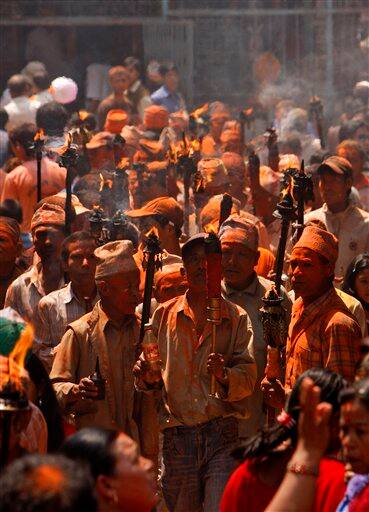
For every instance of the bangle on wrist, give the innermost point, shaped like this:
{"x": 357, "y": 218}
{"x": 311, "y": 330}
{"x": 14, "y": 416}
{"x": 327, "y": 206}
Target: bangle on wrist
{"x": 303, "y": 469}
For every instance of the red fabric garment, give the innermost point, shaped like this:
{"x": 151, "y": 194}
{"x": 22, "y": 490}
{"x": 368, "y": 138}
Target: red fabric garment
{"x": 361, "y": 502}
{"x": 245, "y": 491}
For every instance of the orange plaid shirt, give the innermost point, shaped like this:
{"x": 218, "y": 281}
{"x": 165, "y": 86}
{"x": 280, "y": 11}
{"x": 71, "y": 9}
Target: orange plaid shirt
{"x": 323, "y": 334}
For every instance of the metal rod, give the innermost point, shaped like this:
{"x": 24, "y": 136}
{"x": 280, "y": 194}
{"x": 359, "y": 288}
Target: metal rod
{"x": 39, "y": 175}
{"x": 5, "y": 440}
{"x": 213, "y": 386}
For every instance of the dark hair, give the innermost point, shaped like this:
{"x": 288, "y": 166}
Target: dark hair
{"x": 46, "y": 402}
{"x": 89, "y": 122}
{"x": 167, "y": 67}
{"x": 164, "y": 221}
{"x": 358, "y": 391}
{"x": 52, "y": 118}
{"x": 94, "y": 447}
{"x": 293, "y": 143}
{"x": 11, "y": 208}
{"x": 77, "y": 236}
{"x": 330, "y": 383}
{"x": 353, "y": 125}
{"x": 24, "y": 135}
{"x": 128, "y": 231}
{"x": 188, "y": 247}
{"x": 359, "y": 263}
{"x": 4, "y": 118}
{"x": 41, "y": 80}
{"x": 132, "y": 62}
{"x": 18, "y": 84}
{"x": 32, "y": 484}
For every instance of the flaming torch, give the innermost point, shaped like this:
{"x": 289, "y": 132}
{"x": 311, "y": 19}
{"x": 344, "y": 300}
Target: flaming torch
{"x": 213, "y": 253}
{"x": 13, "y": 399}
{"x": 302, "y": 191}
{"x": 151, "y": 263}
{"x": 38, "y": 146}
{"x": 68, "y": 158}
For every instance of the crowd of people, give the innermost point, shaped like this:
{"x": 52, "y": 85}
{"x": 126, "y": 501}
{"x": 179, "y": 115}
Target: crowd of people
{"x": 123, "y": 385}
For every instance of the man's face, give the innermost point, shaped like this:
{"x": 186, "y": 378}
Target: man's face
{"x": 81, "y": 262}
{"x": 119, "y": 83}
{"x": 216, "y": 126}
{"x": 238, "y": 262}
{"x": 134, "y": 477}
{"x": 354, "y": 433}
{"x": 334, "y": 188}
{"x": 121, "y": 291}
{"x": 133, "y": 74}
{"x": 354, "y": 158}
{"x": 171, "y": 80}
{"x": 308, "y": 273}
{"x": 195, "y": 268}
{"x": 47, "y": 241}
{"x": 362, "y": 136}
{"x": 236, "y": 179}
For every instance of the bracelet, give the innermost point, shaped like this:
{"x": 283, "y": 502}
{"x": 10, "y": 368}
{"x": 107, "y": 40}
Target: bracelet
{"x": 302, "y": 469}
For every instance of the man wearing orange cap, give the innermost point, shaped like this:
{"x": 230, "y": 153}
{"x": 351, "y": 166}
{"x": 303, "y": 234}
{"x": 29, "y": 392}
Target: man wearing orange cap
{"x": 166, "y": 215}
{"x": 347, "y": 222}
{"x": 211, "y": 145}
{"x": 25, "y": 292}
{"x": 147, "y": 182}
{"x": 10, "y": 249}
{"x": 119, "y": 82}
{"x": 241, "y": 285}
{"x": 322, "y": 333}
{"x": 155, "y": 119}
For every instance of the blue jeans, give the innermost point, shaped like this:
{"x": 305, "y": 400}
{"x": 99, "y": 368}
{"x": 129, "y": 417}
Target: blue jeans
{"x": 197, "y": 464}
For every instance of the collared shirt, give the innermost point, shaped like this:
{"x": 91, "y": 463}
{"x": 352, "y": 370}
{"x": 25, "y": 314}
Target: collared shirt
{"x": 95, "y": 336}
{"x": 21, "y": 184}
{"x": 25, "y": 293}
{"x": 56, "y": 311}
{"x": 172, "y": 101}
{"x": 139, "y": 96}
{"x": 323, "y": 334}
{"x": 20, "y": 110}
{"x": 249, "y": 299}
{"x": 351, "y": 227}
{"x": 186, "y": 389}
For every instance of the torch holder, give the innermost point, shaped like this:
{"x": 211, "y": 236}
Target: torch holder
{"x": 214, "y": 311}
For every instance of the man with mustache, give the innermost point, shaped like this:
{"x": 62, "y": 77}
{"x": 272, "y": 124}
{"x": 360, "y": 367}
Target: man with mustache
{"x": 199, "y": 431}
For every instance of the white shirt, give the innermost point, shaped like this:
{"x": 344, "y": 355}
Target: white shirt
{"x": 41, "y": 98}
{"x": 20, "y": 110}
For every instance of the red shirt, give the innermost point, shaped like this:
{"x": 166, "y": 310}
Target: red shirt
{"x": 245, "y": 491}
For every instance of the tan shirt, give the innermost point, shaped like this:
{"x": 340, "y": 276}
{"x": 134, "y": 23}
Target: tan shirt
{"x": 351, "y": 227}
{"x": 186, "y": 389}
{"x": 92, "y": 336}
{"x": 55, "y": 311}
{"x": 25, "y": 293}
{"x": 249, "y": 299}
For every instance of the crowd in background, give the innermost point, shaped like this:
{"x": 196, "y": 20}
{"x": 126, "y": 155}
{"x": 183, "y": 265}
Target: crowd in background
{"x": 160, "y": 438}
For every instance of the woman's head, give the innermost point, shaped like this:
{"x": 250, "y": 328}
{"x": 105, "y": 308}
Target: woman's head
{"x": 124, "y": 480}
{"x": 354, "y": 425}
{"x": 356, "y": 281}
{"x": 330, "y": 384}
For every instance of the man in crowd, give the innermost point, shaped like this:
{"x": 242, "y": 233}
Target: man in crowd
{"x": 119, "y": 81}
{"x": 322, "y": 331}
{"x": 108, "y": 334}
{"x": 46, "y": 275}
{"x": 137, "y": 94}
{"x": 198, "y": 430}
{"x": 10, "y": 249}
{"x": 168, "y": 95}
{"x": 21, "y": 183}
{"x": 60, "y": 308}
{"x": 20, "y": 109}
{"x": 347, "y": 222}
{"x": 355, "y": 154}
{"x": 241, "y": 285}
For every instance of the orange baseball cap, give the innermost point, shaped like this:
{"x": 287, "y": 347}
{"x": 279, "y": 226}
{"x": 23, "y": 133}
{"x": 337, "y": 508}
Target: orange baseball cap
{"x": 165, "y": 206}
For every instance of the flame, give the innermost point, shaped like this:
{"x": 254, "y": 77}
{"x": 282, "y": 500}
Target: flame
{"x": 105, "y": 183}
{"x": 288, "y": 190}
{"x": 152, "y": 231}
{"x": 124, "y": 163}
{"x": 83, "y": 114}
{"x": 211, "y": 228}
{"x": 39, "y": 135}
{"x": 200, "y": 111}
{"x": 16, "y": 360}
{"x": 248, "y": 111}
